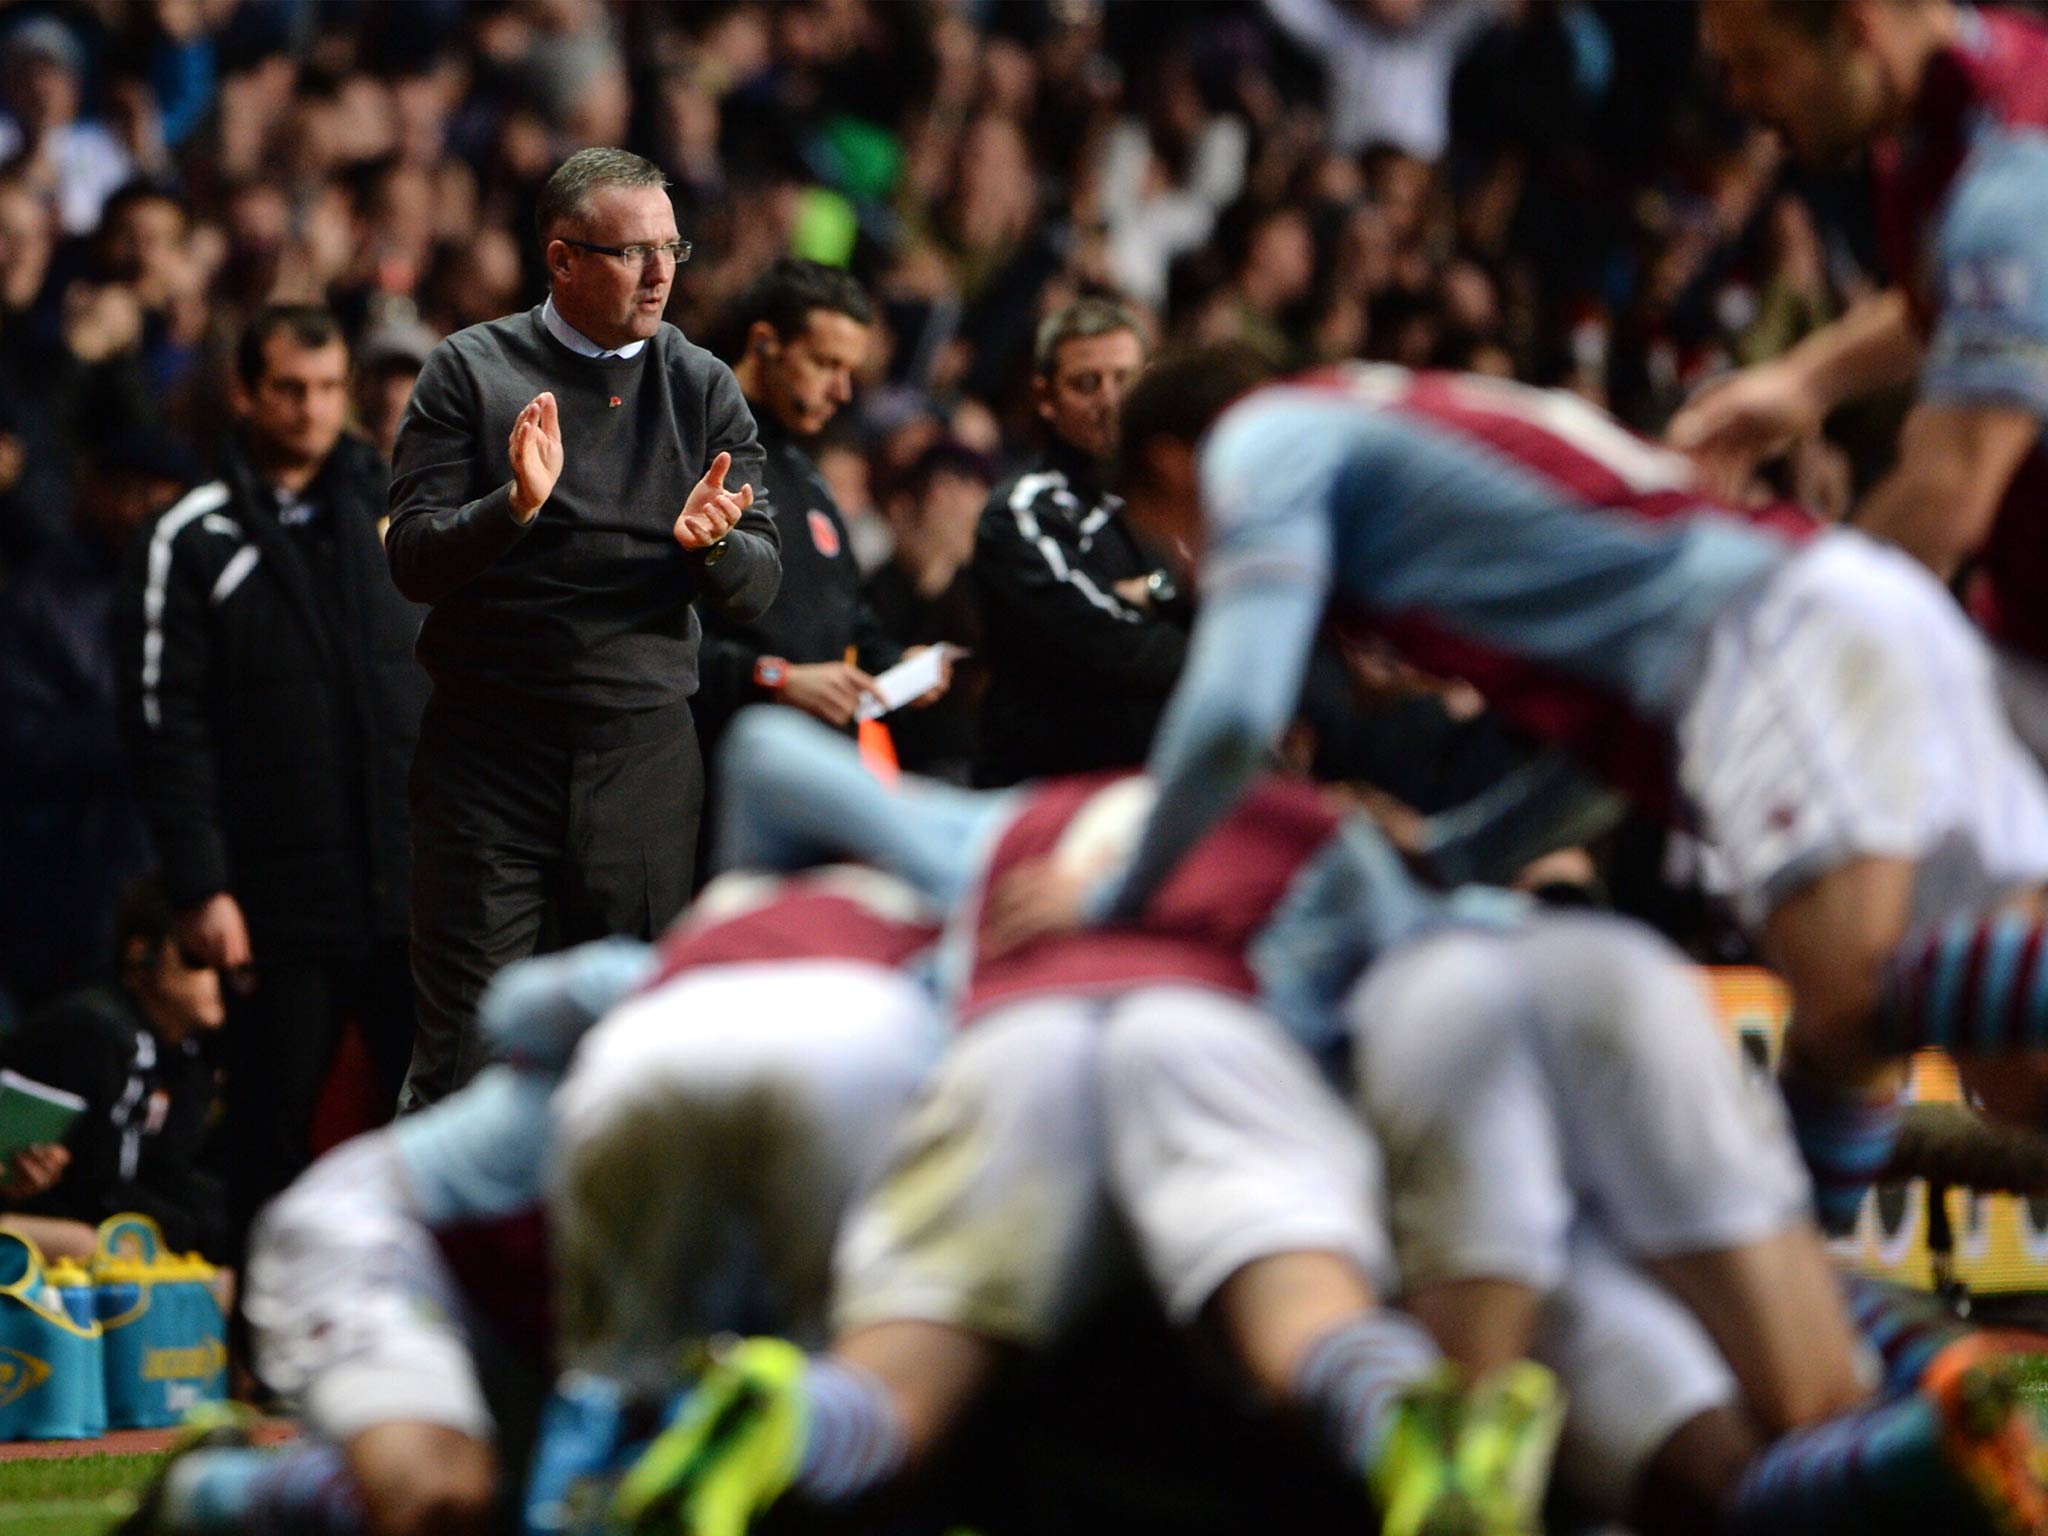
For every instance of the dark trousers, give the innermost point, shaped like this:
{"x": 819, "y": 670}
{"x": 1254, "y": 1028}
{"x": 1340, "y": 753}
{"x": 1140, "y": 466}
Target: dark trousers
{"x": 281, "y": 1039}
{"x": 522, "y": 844}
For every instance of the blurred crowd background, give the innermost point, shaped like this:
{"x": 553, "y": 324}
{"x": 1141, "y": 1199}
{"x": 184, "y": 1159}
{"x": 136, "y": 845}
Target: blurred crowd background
{"x": 1542, "y": 189}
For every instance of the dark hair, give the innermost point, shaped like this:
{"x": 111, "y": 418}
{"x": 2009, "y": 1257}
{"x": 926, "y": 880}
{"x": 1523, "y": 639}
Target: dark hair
{"x": 308, "y": 325}
{"x": 563, "y": 199}
{"x": 1180, "y": 395}
{"x": 134, "y": 193}
{"x": 1076, "y": 322}
{"x": 1815, "y": 18}
{"x": 143, "y": 913}
{"x": 790, "y": 288}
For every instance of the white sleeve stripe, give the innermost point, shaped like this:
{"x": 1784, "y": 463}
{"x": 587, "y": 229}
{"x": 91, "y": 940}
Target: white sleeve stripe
{"x": 1028, "y": 488}
{"x": 196, "y": 503}
{"x": 233, "y": 573}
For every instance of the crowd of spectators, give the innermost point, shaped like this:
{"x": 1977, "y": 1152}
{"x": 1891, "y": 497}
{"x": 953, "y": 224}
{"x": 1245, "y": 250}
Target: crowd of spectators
{"x": 1541, "y": 189}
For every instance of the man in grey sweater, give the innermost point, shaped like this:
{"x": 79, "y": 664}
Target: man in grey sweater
{"x": 557, "y": 787}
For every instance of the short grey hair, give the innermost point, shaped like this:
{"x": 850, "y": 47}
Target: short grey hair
{"x": 1075, "y": 322}
{"x": 567, "y": 194}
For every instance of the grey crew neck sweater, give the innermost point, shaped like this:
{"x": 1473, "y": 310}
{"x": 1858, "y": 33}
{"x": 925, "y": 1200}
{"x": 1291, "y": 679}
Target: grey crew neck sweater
{"x": 586, "y": 613}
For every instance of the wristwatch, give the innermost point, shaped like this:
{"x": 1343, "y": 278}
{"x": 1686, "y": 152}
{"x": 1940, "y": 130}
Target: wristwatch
{"x": 770, "y": 673}
{"x": 713, "y": 553}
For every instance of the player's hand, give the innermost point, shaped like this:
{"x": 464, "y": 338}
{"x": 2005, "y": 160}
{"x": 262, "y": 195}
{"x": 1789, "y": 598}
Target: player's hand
{"x": 1036, "y": 900}
{"x": 828, "y": 690}
{"x": 711, "y": 510}
{"x": 34, "y": 1170}
{"x": 1742, "y": 420}
{"x": 214, "y": 933}
{"x": 535, "y": 449}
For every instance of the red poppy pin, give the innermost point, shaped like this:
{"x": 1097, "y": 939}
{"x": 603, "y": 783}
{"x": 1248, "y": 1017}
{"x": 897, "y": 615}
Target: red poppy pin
{"x": 823, "y": 534}
{"x": 617, "y": 402}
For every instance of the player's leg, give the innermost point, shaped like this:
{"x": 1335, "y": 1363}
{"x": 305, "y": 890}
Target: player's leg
{"x": 978, "y": 1238}
{"x": 989, "y": 1230}
{"x": 1831, "y": 943}
{"x": 1253, "y": 1195}
{"x": 709, "y": 1139}
{"x": 1850, "y": 761}
{"x": 1657, "y": 1434}
{"x": 400, "y": 1441}
{"x": 1683, "y": 1160}
{"x": 1478, "y": 1200}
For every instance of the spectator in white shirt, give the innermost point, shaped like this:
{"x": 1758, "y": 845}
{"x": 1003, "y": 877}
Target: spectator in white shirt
{"x": 76, "y": 164}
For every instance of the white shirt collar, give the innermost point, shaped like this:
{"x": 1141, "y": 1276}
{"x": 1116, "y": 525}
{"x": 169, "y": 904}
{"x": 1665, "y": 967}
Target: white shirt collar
{"x": 576, "y": 341}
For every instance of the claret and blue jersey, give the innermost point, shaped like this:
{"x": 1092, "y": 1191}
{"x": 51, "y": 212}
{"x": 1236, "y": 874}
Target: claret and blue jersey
{"x": 1962, "y": 203}
{"x": 1511, "y": 536}
{"x": 1484, "y": 526}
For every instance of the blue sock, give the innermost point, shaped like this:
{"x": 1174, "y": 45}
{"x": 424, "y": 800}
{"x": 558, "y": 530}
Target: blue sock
{"x": 1878, "y": 1469}
{"x": 1906, "y": 1328}
{"x": 305, "y": 1490}
{"x": 855, "y": 1440}
{"x": 1971, "y": 984}
{"x": 1350, "y": 1378}
{"x": 1846, "y": 1139}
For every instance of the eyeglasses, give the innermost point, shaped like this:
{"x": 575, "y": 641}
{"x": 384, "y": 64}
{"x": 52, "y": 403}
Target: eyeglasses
{"x": 676, "y": 251}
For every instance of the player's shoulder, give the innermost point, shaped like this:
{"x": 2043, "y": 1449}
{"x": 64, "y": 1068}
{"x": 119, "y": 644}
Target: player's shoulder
{"x": 1299, "y": 430}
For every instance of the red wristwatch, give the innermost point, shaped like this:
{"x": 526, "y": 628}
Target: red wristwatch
{"x": 770, "y": 673}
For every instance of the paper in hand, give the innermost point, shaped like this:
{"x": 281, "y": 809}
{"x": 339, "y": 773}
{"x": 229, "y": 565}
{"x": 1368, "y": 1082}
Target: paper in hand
{"x": 909, "y": 679}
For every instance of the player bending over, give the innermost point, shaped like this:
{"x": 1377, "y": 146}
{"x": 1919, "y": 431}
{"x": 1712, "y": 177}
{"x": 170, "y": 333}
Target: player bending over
{"x": 1811, "y": 698}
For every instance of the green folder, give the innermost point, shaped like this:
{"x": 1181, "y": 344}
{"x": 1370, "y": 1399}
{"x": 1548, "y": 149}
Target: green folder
{"x": 32, "y": 1113}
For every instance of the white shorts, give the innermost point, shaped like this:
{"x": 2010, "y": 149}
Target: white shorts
{"x": 2023, "y": 686}
{"x": 709, "y": 1139}
{"x": 1635, "y": 1365}
{"x": 353, "y": 1312}
{"x": 1571, "y": 1068}
{"x": 1226, "y": 1146}
{"x": 991, "y": 1214}
{"x": 1850, "y": 711}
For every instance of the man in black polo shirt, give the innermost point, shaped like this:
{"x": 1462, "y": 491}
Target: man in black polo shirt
{"x": 569, "y": 485}
{"x": 1080, "y": 633}
{"x": 807, "y": 328}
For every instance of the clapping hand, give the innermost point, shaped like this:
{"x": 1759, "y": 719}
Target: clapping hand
{"x": 535, "y": 449}
{"x": 712, "y": 510}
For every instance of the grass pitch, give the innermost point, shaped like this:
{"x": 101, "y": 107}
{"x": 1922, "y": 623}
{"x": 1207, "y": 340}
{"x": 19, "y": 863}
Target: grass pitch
{"x": 87, "y": 1495}
{"x": 70, "y": 1496}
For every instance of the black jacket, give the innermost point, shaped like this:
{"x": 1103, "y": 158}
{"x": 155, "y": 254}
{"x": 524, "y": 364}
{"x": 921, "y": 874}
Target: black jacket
{"x": 1077, "y": 676}
{"x": 819, "y": 610}
{"x": 271, "y": 701}
{"x": 136, "y": 1146}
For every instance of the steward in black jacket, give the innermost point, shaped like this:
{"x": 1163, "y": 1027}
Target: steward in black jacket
{"x": 819, "y": 612}
{"x": 1078, "y": 672}
{"x": 272, "y": 703}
